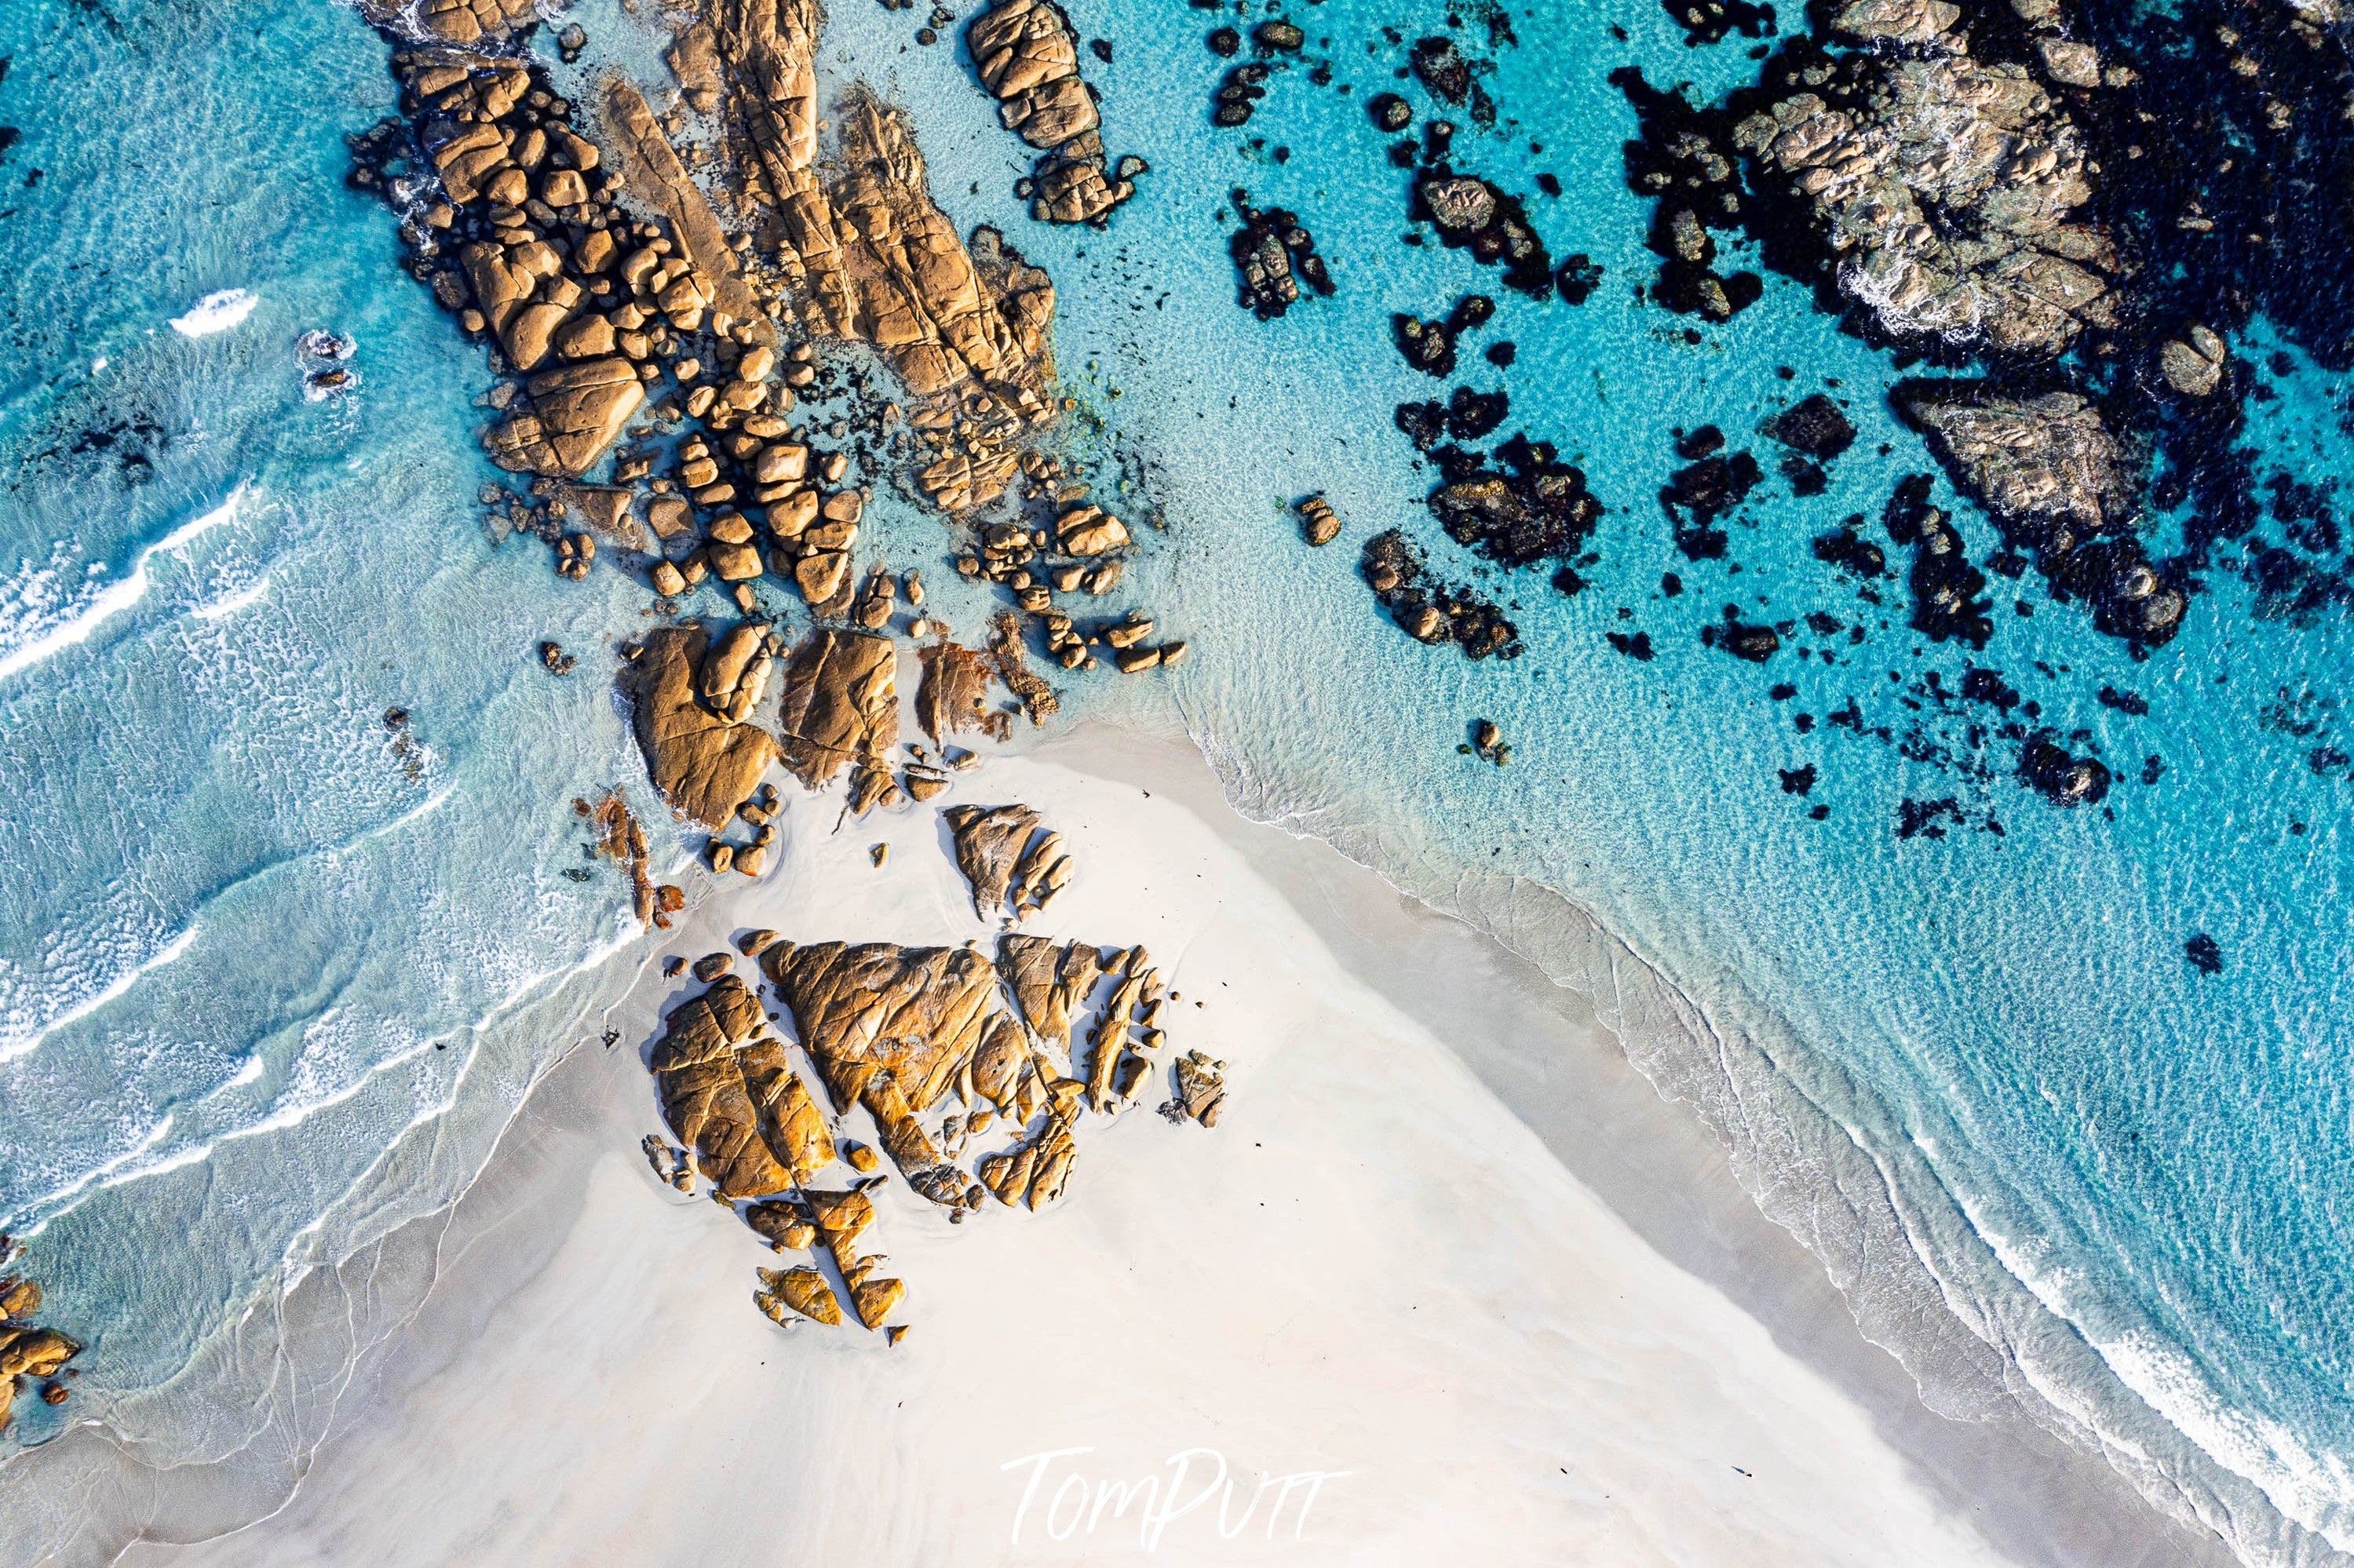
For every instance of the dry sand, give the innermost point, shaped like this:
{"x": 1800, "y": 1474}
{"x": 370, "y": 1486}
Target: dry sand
{"x": 1548, "y": 1330}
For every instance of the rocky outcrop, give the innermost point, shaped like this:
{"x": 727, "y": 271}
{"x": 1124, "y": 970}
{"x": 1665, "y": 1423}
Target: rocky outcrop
{"x": 2054, "y": 478}
{"x": 1027, "y": 55}
{"x": 914, "y": 1015}
{"x": 1008, "y": 861}
{"x": 2043, "y": 462}
{"x": 953, "y": 694}
{"x": 658, "y": 181}
{"x": 705, "y": 763}
{"x": 1120, "y": 1046}
{"x": 802, "y": 1290}
{"x": 2193, "y": 363}
{"x": 989, "y": 839}
{"x": 1950, "y": 190}
{"x": 1038, "y": 699}
{"x": 698, "y": 1067}
{"x": 576, "y": 412}
{"x": 1425, "y": 607}
{"x": 896, "y": 1031}
{"x": 1272, "y": 252}
{"x": 868, "y": 254}
{"x": 919, "y": 296}
{"x": 1201, "y": 1085}
{"x": 1035, "y": 1170}
{"x": 526, "y": 245}
{"x": 1948, "y": 591}
{"x": 840, "y": 704}
{"x": 893, "y": 1030}
{"x": 452, "y": 21}
{"x": 1050, "y": 984}
{"x": 28, "y": 1353}
{"x": 1531, "y": 507}
{"x": 620, "y": 839}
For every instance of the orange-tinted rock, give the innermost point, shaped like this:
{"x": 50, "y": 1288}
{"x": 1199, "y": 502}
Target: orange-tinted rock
{"x": 704, "y": 1099}
{"x": 703, "y": 765}
{"x": 840, "y": 704}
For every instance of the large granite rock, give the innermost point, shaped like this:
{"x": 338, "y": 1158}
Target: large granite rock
{"x": 1049, "y": 984}
{"x": 868, "y": 254}
{"x": 659, "y": 182}
{"x": 919, "y": 297}
{"x": 28, "y": 1351}
{"x": 703, "y": 763}
{"x": 1949, "y": 188}
{"x": 1027, "y": 55}
{"x": 915, "y": 1014}
{"x": 892, "y": 1029}
{"x": 2055, "y": 481}
{"x": 802, "y": 1290}
{"x": 990, "y": 842}
{"x": 953, "y": 694}
{"x": 453, "y": 21}
{"x": 2045, "y": 460}
{"x": 699, "y": 1077}
{"x": 840, "y": 704}
{"x": 575, "y": 414}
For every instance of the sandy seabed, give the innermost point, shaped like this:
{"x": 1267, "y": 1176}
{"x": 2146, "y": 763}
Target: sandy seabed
{"x": 1448, "y": 1282}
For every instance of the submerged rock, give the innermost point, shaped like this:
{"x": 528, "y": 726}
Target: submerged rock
{"x": 1427, "y": 610}
{"x": 1272, "y": 252}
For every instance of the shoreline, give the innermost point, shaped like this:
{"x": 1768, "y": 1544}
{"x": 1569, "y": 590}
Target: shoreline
{"x": 1583, "y": 1117}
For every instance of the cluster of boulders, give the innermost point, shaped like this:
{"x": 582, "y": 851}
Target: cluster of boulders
{"x": 897, "y": 1033}
{"x": 1010, "y": 860}
{"x": 30, "y": 1355}
{"x": 2054, "y": 479}
{"x": 455, "y": 21}
{"x": 621, "y": 839}
{"x": 1685, "y": 162}
{"x": 2052, "y": 771}
{"x": 1238, "y": 96}
{"x": 1473, "y": 215}
{"x": 1426, "y": 609}
{"x": 1947, "y": 591}
{"x": 1028, "y": 54}
{"x": 1712, "y": 482}
{"x": 1272, "y": 252}
{"x": 1451, "y": 77}
{"x": 1319, "y": 523}
{"x": 537, "y": 237}
{"x": 1529, "y": 507}
{"x": 1949, "y": 189}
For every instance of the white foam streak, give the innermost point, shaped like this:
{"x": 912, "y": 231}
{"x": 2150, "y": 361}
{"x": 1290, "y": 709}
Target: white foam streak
{"x": 216, "y": 313}
{"x": 17, "y": 1045}
{"x": 116, "y": 597}
{"x": 233, "y": 602}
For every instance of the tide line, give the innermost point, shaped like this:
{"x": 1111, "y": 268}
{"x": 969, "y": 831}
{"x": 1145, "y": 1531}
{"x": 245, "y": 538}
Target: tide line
{"x": 117, "y": 597}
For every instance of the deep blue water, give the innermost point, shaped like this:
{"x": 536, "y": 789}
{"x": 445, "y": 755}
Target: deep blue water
{"x": 1974, "y": 1068}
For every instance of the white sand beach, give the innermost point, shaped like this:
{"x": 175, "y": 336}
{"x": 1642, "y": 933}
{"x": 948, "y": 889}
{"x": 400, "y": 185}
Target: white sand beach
{"x": 1559, "y": 1336}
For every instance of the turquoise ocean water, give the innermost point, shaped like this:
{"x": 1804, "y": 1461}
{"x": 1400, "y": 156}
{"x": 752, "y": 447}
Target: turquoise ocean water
{"x": 271, "y": 977}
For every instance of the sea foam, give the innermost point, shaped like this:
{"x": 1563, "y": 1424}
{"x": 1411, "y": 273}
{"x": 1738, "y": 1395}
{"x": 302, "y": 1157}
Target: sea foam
{"x": 216, "y": 313}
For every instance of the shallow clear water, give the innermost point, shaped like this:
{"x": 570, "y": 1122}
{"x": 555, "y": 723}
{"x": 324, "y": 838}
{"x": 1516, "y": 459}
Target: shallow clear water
{"x": 249, "y": 940}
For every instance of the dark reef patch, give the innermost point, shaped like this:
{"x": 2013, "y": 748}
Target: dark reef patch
{"x": 1429, "y": 610}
